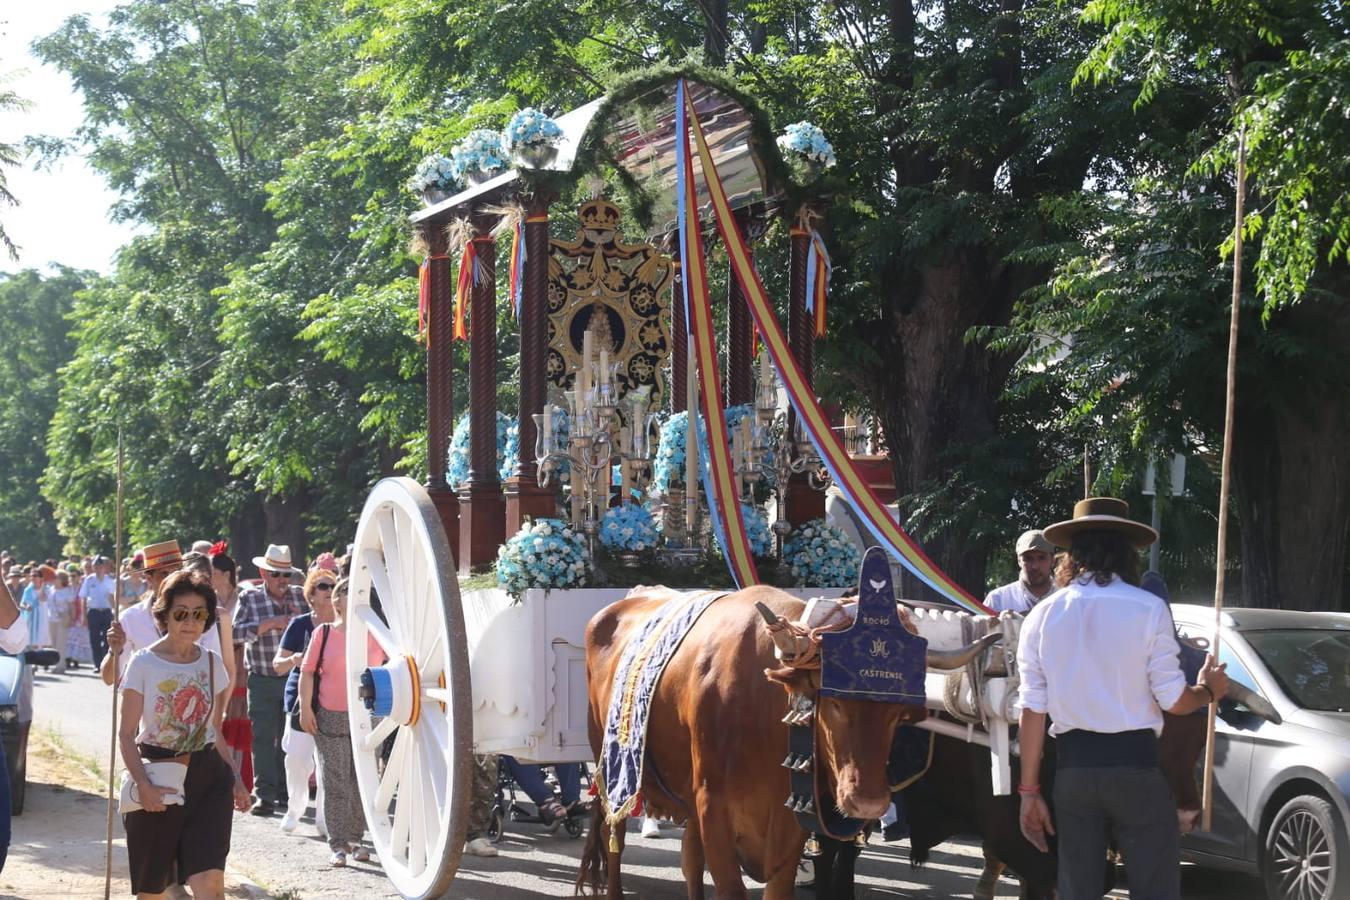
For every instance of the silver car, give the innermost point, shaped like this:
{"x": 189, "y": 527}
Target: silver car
{"x": 1281, "y": 791}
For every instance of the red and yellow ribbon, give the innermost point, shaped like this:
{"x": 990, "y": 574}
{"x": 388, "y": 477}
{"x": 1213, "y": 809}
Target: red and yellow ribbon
{"x": 855, "y": 488}
{"x": 719, "y": 476}
{"x": 424, "y": 296}
{"x": 470, "y": 274}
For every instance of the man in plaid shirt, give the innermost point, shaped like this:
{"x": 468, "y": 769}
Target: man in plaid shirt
{"x": 262, "y": 617}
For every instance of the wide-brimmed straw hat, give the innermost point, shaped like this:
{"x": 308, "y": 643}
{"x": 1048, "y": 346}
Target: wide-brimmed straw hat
{"x": 164, "y": 555}
{"x": 1101, "y": 514}
{"x": 277, "y": 559}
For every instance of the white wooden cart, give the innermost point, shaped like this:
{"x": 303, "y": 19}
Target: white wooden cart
{"x": 467, "y": 672}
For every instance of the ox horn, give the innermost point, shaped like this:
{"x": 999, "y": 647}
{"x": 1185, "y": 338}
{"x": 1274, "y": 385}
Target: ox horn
{"x": 946, "y": 660}
{"x": 787, "y": 647}
{"x": 1254, "y": 701}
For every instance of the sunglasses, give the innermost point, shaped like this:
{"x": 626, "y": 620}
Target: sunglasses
{"x": 270, "y": 574}
{"x": 324, "y": 586}
{"x": 197, "y": 615}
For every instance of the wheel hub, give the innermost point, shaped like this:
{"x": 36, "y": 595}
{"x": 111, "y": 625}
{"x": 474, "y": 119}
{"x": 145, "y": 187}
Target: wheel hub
{"x": 393, "y": 690}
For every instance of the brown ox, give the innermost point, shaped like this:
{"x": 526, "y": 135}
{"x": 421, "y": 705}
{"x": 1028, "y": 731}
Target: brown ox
{"x": 716, "y": 742}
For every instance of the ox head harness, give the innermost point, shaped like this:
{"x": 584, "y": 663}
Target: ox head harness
{"x": 876, "y": 659}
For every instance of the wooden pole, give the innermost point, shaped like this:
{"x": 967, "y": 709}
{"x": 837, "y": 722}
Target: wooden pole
{"x": 1225, "y": 470}
{"x": 117, "y": 675}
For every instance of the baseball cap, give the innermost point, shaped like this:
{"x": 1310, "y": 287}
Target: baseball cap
{"x": 1034, "y": 540}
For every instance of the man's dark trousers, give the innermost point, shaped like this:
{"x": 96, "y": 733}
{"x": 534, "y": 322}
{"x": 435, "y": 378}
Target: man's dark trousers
{"x": 1137, "y": 807}
{"x": 98, "y": 621}
{"x": 265, "y": 696}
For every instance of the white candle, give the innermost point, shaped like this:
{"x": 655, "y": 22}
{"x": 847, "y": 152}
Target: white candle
{"x": 548, "y": 427}
{"x": 765, "y": 371}
{"x": 746, "y": 441}
{"x": 604, "y": 365}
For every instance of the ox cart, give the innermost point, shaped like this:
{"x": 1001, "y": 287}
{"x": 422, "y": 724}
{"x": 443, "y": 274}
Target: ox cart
{"x": 476, "y": 671}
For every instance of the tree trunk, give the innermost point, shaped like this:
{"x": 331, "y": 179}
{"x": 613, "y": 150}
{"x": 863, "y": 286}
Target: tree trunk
{"x": 1291, "y": 480}
{"x": 938, "y": 393}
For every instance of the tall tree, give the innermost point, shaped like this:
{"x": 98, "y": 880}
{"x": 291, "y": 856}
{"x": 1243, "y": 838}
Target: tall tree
{"x": 34, "y": 308}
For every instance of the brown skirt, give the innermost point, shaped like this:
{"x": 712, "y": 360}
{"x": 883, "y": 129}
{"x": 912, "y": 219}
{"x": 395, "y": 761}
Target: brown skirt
{"x": 187, "y": 838}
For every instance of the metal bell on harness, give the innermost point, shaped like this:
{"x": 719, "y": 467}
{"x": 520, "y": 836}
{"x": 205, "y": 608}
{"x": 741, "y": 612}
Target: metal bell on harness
{"x": 790, "y": 761}
{"x": 792, "y": 802}
{"x": 803, "y": 764}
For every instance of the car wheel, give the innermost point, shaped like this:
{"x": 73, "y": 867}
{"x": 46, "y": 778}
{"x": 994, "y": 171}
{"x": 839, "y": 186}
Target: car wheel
{"x": 1305, "y": 853}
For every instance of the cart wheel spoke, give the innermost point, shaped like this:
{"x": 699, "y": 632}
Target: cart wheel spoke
{"x": 379, "y": 578}
{"x": 392, "y": 772}
{"x": 431, "y": 662}
{"x": 417, "y": 821}
{"x": 378, "y": 734}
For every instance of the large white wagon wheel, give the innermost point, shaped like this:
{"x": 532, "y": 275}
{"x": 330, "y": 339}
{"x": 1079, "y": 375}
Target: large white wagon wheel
{"x": 416, "y": 806}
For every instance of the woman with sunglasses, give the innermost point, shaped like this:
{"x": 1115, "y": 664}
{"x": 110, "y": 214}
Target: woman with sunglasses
{"x": 323, "y": 713}
{"x": 298, "y": 744}
{"x": 173, "y": 698}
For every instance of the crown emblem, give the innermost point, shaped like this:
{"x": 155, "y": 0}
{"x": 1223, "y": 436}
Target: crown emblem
{"x": 600, "y": 215}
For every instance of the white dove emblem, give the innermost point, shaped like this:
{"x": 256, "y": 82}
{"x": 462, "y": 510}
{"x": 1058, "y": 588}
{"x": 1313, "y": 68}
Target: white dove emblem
{"x": 876, "y": 585}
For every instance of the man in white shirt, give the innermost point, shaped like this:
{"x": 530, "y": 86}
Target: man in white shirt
{"x": 1099, "y": 656}
{"x": 1035, "y": 560}
{"x": 97, "y": 593}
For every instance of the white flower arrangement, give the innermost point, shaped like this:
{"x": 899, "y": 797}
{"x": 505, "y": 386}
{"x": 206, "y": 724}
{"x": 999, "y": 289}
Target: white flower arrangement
{"x": 434, "y": 173}
{"x": 481, "y": 153}
{"x": 820, "y": 555}
{"x": 629, "y": 527}
{"x": 530, "y": 128}
{"x": 544, "y": 554}
{"x": 808, "y": 141}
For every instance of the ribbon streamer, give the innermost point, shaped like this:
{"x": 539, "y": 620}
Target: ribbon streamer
{"x": 818, "y": 272}
{"x": 517, "y": 281}
{"x": 470, "y": 274}
{"x": 424, "y": 296}
{"x": 717, "y": 471}
{"x": 857, "y": 491}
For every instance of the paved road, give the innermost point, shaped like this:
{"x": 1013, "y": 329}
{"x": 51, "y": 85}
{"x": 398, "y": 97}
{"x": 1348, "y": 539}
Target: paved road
{"x": 533, "y": 864}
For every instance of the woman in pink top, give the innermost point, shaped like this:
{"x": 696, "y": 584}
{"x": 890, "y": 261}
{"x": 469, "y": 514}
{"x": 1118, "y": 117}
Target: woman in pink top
{"x": 324, "y": 715}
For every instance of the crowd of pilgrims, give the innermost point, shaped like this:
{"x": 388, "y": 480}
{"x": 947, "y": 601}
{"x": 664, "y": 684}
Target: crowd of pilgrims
{"x": 242, "y": 684}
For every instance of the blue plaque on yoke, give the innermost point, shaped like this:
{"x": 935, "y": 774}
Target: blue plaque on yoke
{"x": 876, "y": 659}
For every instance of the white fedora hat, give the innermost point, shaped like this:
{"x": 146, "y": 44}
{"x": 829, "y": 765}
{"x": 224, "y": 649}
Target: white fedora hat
{"x": 277, "y": 559}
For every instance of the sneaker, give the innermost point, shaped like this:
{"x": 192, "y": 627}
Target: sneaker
{"x": 338, "y": 860}
{"x": 650, "y": 827}
{"x": 361, "y": 854}
{"x": 480, "y": 847}
{"x": 289, "y": 823}
{"x": 263, "y": 807}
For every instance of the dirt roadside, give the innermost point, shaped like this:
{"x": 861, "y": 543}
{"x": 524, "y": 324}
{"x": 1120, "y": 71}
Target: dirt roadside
{"x": 58, "y": 846}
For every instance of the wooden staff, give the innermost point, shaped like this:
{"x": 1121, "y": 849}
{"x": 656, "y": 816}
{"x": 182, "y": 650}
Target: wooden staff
{"x": 1207, "y": 797}
{"x": 117, "y": 676}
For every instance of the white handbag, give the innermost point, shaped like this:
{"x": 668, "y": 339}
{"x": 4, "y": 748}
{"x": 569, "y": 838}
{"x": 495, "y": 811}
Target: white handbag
{"x": 165, "y": 773}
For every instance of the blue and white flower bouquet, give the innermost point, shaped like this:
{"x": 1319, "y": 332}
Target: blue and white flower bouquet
{"x": 809, "y": 142}
{"x": 479, "y": 155}
{"x": 434, "y": 178}
{"x": 531, "y": 128}
{"x": 820, "y": 555}
{"x": 544, "y": 554}
{"x": 629, "y": 527}
{"x": 756, "y": 529}
{"x": 457, "y": 466}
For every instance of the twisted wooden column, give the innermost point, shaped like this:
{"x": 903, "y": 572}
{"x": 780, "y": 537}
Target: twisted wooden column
{"x": 524, "y": 498}
{"x": 440, "y": 376}
{"x": 679, "y": 337}
{"x": 482, "y": 513}
{"x": 740, "y": 339}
